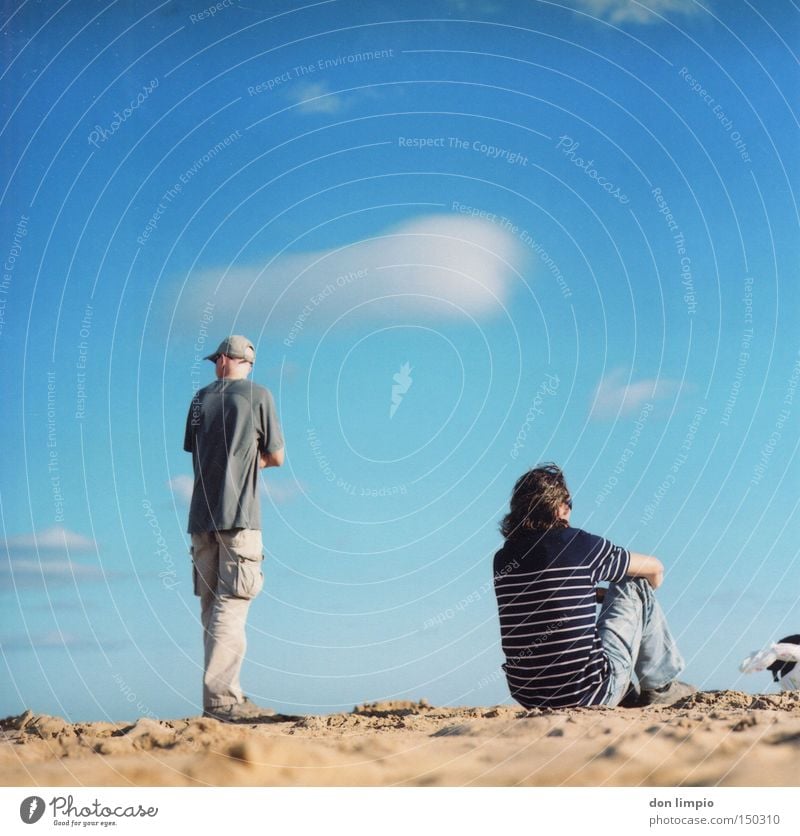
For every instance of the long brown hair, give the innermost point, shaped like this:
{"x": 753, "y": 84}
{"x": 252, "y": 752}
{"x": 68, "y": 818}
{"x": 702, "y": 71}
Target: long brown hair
{"x": 536, "y": 501}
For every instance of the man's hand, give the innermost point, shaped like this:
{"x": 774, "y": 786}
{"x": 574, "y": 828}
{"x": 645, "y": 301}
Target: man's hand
{"x": 271, "y": 459}
{"x": 647, "y": 567}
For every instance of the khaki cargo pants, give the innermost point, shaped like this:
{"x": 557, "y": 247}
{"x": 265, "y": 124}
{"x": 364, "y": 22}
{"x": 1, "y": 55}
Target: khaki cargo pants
{"x": 227, "y": 576}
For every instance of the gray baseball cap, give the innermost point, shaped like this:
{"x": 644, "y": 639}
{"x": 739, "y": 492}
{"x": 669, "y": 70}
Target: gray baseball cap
{"x": 235, "y": 346}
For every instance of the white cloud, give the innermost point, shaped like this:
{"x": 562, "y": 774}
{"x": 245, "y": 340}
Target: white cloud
{"x": 636, "y": 11}
{"x": 281, "y": 491}
{"x": 314, "y": 97}
{"x": 182, "y": 487}
{"x": 55, "y": 639}
{"x": 437, "y": 265}
{"x": 617, "y": 396}
{"x": 51, "y": 539}
{"x": 31, "y": 557}
{"x": 54, "y": 568}
{"x": 475, "y": 6}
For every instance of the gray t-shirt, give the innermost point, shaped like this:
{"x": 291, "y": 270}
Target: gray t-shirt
{"x": 230, "y": 423}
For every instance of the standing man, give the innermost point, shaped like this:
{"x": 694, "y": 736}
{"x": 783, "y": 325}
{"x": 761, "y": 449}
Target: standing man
{"x": 558, "y": 652}
{"x": 232, "y": 431}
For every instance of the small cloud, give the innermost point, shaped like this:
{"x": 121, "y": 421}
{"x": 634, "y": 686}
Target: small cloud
{"x": 314, "y": 97}
{"x": 636, "y": 11}
{"x": 281, "y": 491}
{"x": 288, "y": 370}
{"x": 51, "y": 568}
{"x": 182, "y": 487}
{"x": 616, "y": 396}
{"x": 31, "y": 573}
{"x": 55, "y": 538}
{"x": 55, "y": 640}
{"x": 475, "y": 6}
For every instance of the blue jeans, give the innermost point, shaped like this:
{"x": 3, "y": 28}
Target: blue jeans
{"x": 636, "y": 639}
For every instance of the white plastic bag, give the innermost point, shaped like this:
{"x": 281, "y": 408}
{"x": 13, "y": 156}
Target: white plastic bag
{"x": 777, "y": 652}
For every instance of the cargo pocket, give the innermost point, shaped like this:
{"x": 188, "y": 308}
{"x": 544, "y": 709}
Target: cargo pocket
{"x": 249, "y": 577}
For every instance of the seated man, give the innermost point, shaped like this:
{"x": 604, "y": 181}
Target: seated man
{"x": 558, "y": 652}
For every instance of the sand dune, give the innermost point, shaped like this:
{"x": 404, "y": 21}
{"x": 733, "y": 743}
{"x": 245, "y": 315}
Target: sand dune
{"x": 725, "y": 738}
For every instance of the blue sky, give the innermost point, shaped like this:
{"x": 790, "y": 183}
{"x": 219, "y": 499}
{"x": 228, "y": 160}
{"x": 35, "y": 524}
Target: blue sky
{"x": 562, "y": 231}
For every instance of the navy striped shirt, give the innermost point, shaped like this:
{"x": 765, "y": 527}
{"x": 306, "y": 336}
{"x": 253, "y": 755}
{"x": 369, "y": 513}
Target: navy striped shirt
{"x": 545, "y": 585}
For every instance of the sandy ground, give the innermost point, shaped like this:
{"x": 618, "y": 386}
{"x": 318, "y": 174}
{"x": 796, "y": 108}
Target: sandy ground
{"x": 724, "y": 738}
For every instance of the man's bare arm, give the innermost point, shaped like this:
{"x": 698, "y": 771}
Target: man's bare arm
{"x": 271, "y": 459}
{"x": 647, "y": 567}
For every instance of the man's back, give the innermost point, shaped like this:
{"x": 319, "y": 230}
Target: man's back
{"x": 230, "y": 423}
